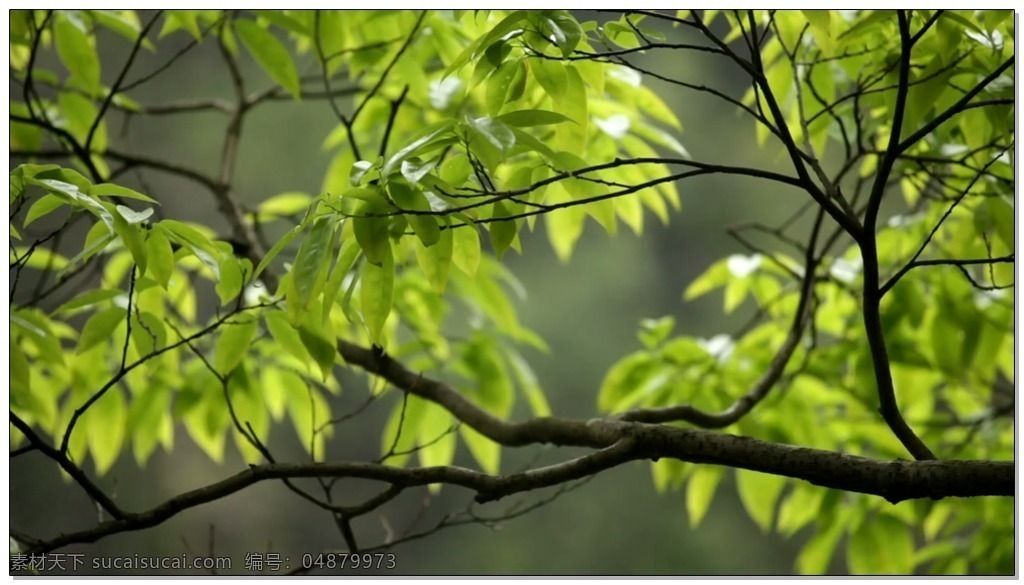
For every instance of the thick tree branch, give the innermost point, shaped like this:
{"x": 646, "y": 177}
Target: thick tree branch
{"x": 896, "y": 481}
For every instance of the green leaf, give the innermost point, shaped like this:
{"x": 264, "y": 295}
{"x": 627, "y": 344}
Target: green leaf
{"x": 40, "y": 258}
{"x": 270, "y": 54}
{"x": 700, "y": 491}
{"x": 759, "y": 492}
{"x": 99, "y": 328}
{"x": 412, "y": 199}
{"x": 504, "y": 86}
{"x": 342, "y": 266}
{"x": 312, "y": 262}
{"x": 437, "y": 435}
{"x": 112, "y": 190}
{"x": 507, "y": 25}
{"x": 233, "y": 343}
{"x": 527, "y": 382}
{"x": 285, "y": 204}
{"x": 867, "y": 555}
{"x": 106, "y": 426}
{"x": 415, "y": 169}
{"x": 436, "y": 260}
{"x": 160, "y": 256}
{"x": 502, "y": 232}
{"x": 88, "y": 299}
{"x": 816, "y": 555}
{"x": 123, "y": 22}
{"x": 426, "y": 135}
{"x": 622, "y": 378}
{"x": 564, "y": 226}
{"x": 132, "y": 238}
{"x": 402, "y": 429}
{"x": 486, "y": 452}
{"x": 43, "y": 207}
{"x": 528, "y": 118}
{"x": 494, "y": 391}
{"x": 322, "y": 350}
{"x": 359, "y": 170}
{"x": 819, "y": 19}
{"x": 232, "y": 278}
{"x": 148, "y": 334}
{"x": 493, "y": 132}
{"x": 78, "y": 198}
{"x": 654, "y": 332}
{"x": 148, "y": 414}
{"x": 372, "y": 233}
{"x": 376, "y": 293}
{"x": 77, "y": 52}
{"x": 276, "y": 249}
{"x": 285, "y": 335}
{"x": 466, "y": 248}
{"x": 800, "y": 508}
{"x": 566, "y": 31}
{"x": 133, "y": 217}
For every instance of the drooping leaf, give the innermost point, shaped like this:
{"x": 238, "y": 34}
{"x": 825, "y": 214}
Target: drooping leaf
{"x": 466, "y": 248}
{"x": 309, "y": 272}
{"x": 160, "y": 256}
{"x": 759, "y": 492}
{"x": 322, "y": 350}
{"x": 76, "y": 51}
{"x": 882, "y": 545}
{"x": 436, "y": 260}
{"x": 233, "y": 343}
{"x": 700, "y": 491}
{"x": 272, "y": 56}
{"x": 99, "y": 328}
{"x": 376, "y": 294}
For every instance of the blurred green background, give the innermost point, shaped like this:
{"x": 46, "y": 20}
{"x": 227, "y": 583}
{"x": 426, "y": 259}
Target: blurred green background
{"x": 587, "y": 310}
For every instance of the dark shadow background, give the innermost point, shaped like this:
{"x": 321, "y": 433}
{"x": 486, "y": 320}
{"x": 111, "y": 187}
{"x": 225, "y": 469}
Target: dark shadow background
{"x": 587, "y": 310}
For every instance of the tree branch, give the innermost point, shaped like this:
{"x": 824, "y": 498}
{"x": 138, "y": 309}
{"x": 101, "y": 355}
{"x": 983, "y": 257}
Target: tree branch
{"x": 896, "y": 481}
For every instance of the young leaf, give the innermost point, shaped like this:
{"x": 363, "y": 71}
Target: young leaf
{"x": 376, "y": 294}
{"x": 43, "y": 207}
{"x": 437, "y": 435}
{"x": 276, "y": 249}
{"x": 864, "y": 555}
{"x": 322, "y": 350}
{"x": 412, "y": 199}
{"x": 285, "y": 335}
{"x": 759, "y": 492}
{"x": 106, "y": 428}
{"x": 527, "y": 118}
{"x": 486, "y": 452}
{"x": 76, "y": 51}
{"x": 112, "y": 190}
{"x": 436, "y": 260}
{"x": 233, "y": 343}
{"x": 465, "y": 248}
{"x": 270, "y": 54}
{"x": 231, "y": 279}
{"x": 502, "y": 232}
{"x": 372, "y": 233}
{"x": 700, "y": 491}
{"x": 99, "y": 328}
{"x": 132, "y": 238}
{"x": 312, "y": 262}
{"x": 160, "y": 257}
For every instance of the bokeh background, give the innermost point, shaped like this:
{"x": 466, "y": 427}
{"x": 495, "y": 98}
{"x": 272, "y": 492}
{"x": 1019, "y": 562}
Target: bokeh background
{"x": 587, "y": 310}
